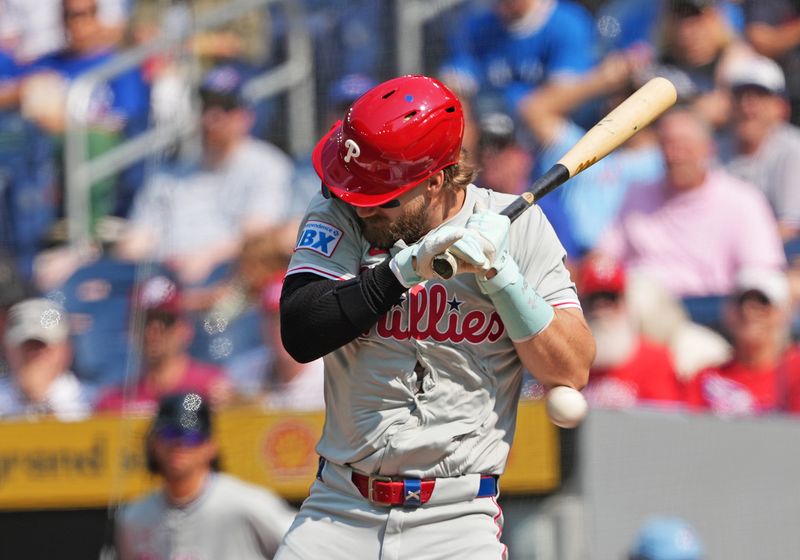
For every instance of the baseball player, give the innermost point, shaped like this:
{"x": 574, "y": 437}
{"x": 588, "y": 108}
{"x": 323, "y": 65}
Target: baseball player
{"x": 200, "y": 514}
{"x": 422, "y": 376}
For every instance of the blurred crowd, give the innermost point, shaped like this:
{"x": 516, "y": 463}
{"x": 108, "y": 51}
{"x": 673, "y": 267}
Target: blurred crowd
{"x": 683, "y": 243}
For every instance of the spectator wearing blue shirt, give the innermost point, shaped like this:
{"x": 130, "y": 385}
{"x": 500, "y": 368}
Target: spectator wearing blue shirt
{"x": 9, "y": 88}
{"x": 502, "y": 54}
{"x": 113, "y": 105}
{"x": 27, "y": 173}
{"x": 115, "y": 108}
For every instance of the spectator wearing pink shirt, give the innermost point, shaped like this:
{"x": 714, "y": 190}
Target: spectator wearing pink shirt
{"x": 695, "y": 229}
{"x": 166, "y": 366}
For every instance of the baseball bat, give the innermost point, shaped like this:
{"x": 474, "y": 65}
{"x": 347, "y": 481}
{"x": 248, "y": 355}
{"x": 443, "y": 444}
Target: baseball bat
{"x": 636, "y": 112}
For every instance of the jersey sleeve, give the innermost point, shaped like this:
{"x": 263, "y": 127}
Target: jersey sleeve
{"x": 329, "y": 243}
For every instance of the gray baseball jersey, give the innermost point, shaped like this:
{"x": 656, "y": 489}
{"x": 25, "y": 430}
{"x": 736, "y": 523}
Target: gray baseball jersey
{"x": 431, "y": 390}
{"x": 230, "y": 519}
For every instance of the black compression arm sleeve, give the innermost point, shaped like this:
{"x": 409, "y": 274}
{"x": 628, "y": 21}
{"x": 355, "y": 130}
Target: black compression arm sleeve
{"x": 320, "y": 315}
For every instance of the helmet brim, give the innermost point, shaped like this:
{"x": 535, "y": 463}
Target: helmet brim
{"x": 344, "y": 182}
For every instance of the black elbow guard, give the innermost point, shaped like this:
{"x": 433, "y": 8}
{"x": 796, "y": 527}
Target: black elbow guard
{"x": 354, "y": 305}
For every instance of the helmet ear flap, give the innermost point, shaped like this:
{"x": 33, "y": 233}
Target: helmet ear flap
{"x": 326, "y": 192}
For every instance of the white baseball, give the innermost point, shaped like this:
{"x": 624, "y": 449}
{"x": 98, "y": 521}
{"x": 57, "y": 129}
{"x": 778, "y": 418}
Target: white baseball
{"x": 566, "y": 406}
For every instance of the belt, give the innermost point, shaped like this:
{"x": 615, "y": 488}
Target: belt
{"x": 398, "y": 491}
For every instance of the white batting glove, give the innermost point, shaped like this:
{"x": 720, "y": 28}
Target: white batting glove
{"x": 486, "y": 240}
{"x": 411, "y": 265}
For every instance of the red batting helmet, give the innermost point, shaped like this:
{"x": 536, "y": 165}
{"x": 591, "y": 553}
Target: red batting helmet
{"x": 392, "y": 138}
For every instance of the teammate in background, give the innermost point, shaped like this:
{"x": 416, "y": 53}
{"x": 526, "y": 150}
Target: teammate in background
{"x": 666, "y": 538}
{"x": 767, "y": 147}
{"x": 764, "y": 365}
{"x": 194, "y": 217}
{"x": 39, "y": 353}
{"x": 628, "y": 370}
{"x": 166, "y": 366}
{"x": 422, "y": 376}
{"x": 692, "y": 231}
{"x": 500, "y": 54}
{"x": 200, "y": 512}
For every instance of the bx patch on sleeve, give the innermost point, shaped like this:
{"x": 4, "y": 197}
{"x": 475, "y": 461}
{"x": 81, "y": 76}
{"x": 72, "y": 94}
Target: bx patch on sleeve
{"x": 319, "y": 237}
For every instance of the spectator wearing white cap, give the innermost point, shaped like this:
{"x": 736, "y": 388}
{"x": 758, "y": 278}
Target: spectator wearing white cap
{"x": 764, "y": 363}
{"x": 39, "y": 353}
{"x": 767, "y": 146}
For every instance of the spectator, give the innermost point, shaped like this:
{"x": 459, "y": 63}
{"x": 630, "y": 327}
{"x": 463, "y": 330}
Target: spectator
{"x": 165, "y": 363}
{"x": 664, "y": 319}
{"x": 632, "y": 23}
{"x": 666, "y": 538}
{"x": 27, "y": 172}
{"x": 9, "y": 72}
{"x": 116, "y": 108}
{"x": 35, "y": 29}
{"x": 692, "y": 231}
{"x": 773, "y": 28}
{"x": 767, "y": 151}
{"x": 195, "y": 216}
{"x": 269, "y": 373}
{"x": 113, "y": 106}
{"x": 199, "y": 512}
{"x": 506, "y": 165}
{"x": 696, "y": 47}
{"x": 593, "y": 198}
{"x": 240, "y": 39}
{"x": 628, "y": 369}
{"x": 342, "y": 93}
{"x": 38, "y": 348}
{"x": 347, "y": 37}
{"x": 756, "y": 379}
{"x": 500, "y": 55}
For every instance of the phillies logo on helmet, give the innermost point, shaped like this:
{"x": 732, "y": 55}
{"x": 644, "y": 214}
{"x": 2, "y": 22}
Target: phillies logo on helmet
{"x": 353, "y": 151}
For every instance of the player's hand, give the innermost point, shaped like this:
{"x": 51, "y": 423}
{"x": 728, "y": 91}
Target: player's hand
{"x": 413, "y": 264}
{"x": 485, "y": 241}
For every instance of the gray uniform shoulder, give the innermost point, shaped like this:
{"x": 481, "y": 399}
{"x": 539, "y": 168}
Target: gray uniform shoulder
{"x": 252, "y": 500}
{"x": 144, "y": 511}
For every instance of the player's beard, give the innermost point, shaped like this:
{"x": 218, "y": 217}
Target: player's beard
{"x": 410, "y": 226}
{"x": 615, "y": 337}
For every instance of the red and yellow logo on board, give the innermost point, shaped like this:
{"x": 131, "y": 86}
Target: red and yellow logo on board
{"x": 289, "y": 448}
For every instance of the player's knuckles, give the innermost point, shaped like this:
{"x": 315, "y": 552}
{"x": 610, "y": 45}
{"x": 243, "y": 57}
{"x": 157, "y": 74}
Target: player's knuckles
{"x": 468, "y": 249}
{"x": 441, "y": 239}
